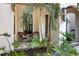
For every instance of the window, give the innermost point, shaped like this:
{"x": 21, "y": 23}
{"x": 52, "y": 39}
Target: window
{"x": 30, "y": 26}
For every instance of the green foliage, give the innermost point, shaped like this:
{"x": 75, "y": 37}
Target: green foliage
{"x": 37, "y": 43}
{"x": 65, "y": 49}
{"x": 50, "y": 50}
{"x": 6, "y": 34}
{"x": 69, "y": 36}
{"x": 13, "y": 6}
{"x": 53, "y": 9}
{"x": 19, "y": 54}
{"x": 2, "y": 48}
{"x": 15, "y": 53}
{"x": 45, "y": 51}
{"x": 16, "y": 43}
{"x": 26, "y": 16}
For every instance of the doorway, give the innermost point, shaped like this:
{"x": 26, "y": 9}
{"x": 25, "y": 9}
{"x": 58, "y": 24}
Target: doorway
{"x": 46, "y": 25}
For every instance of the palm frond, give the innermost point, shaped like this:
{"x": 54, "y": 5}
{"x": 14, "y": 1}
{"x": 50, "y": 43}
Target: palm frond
{"x": 54, "y": 11}
{"x": 25, "y": 17}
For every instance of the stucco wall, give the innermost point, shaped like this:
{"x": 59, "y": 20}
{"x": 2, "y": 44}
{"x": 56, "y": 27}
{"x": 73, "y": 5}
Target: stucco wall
{"x": 18, "y": 28}
{"x": 6, "y": 25}
{"x": 77, "y": 27}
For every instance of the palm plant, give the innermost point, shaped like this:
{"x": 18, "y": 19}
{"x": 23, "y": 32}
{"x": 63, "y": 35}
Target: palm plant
{"x": 53, "y": 9}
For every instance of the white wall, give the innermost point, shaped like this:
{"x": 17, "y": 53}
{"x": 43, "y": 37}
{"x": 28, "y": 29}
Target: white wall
{"x": 6, "y": 24}
{"x": 71, "y": 21}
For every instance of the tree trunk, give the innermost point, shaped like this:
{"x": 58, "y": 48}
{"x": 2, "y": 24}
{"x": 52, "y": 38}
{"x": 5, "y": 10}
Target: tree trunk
{"x": 40, "y": 29}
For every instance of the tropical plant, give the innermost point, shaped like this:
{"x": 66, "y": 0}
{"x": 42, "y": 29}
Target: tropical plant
{"x": 37, "y": 43}
{"x": 53, "y": 9}
{"x": 69, "y": 36}
{"x": 50, "y": 50}
{"x": 26, "y": 17}
{"x": 46, "y": 51}
{"x": 65, "y": 49}
{"x": 16, "y": 43}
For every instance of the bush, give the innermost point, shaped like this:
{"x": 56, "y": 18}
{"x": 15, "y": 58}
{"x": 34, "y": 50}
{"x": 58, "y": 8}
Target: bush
{"x": 65, "y": 49}
{"x": 37, "y": 43}
{"x": 68, "y": 36}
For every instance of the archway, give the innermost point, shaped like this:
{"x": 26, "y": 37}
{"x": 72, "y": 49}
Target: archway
{"x": 73, "y": 15}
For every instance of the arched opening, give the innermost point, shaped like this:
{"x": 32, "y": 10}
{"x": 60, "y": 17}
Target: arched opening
{"x": 73, "y": 21}
{"x": 70, "y": 22}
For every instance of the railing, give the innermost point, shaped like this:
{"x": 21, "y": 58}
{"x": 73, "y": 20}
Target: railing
{"x": 6, "y": 35}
